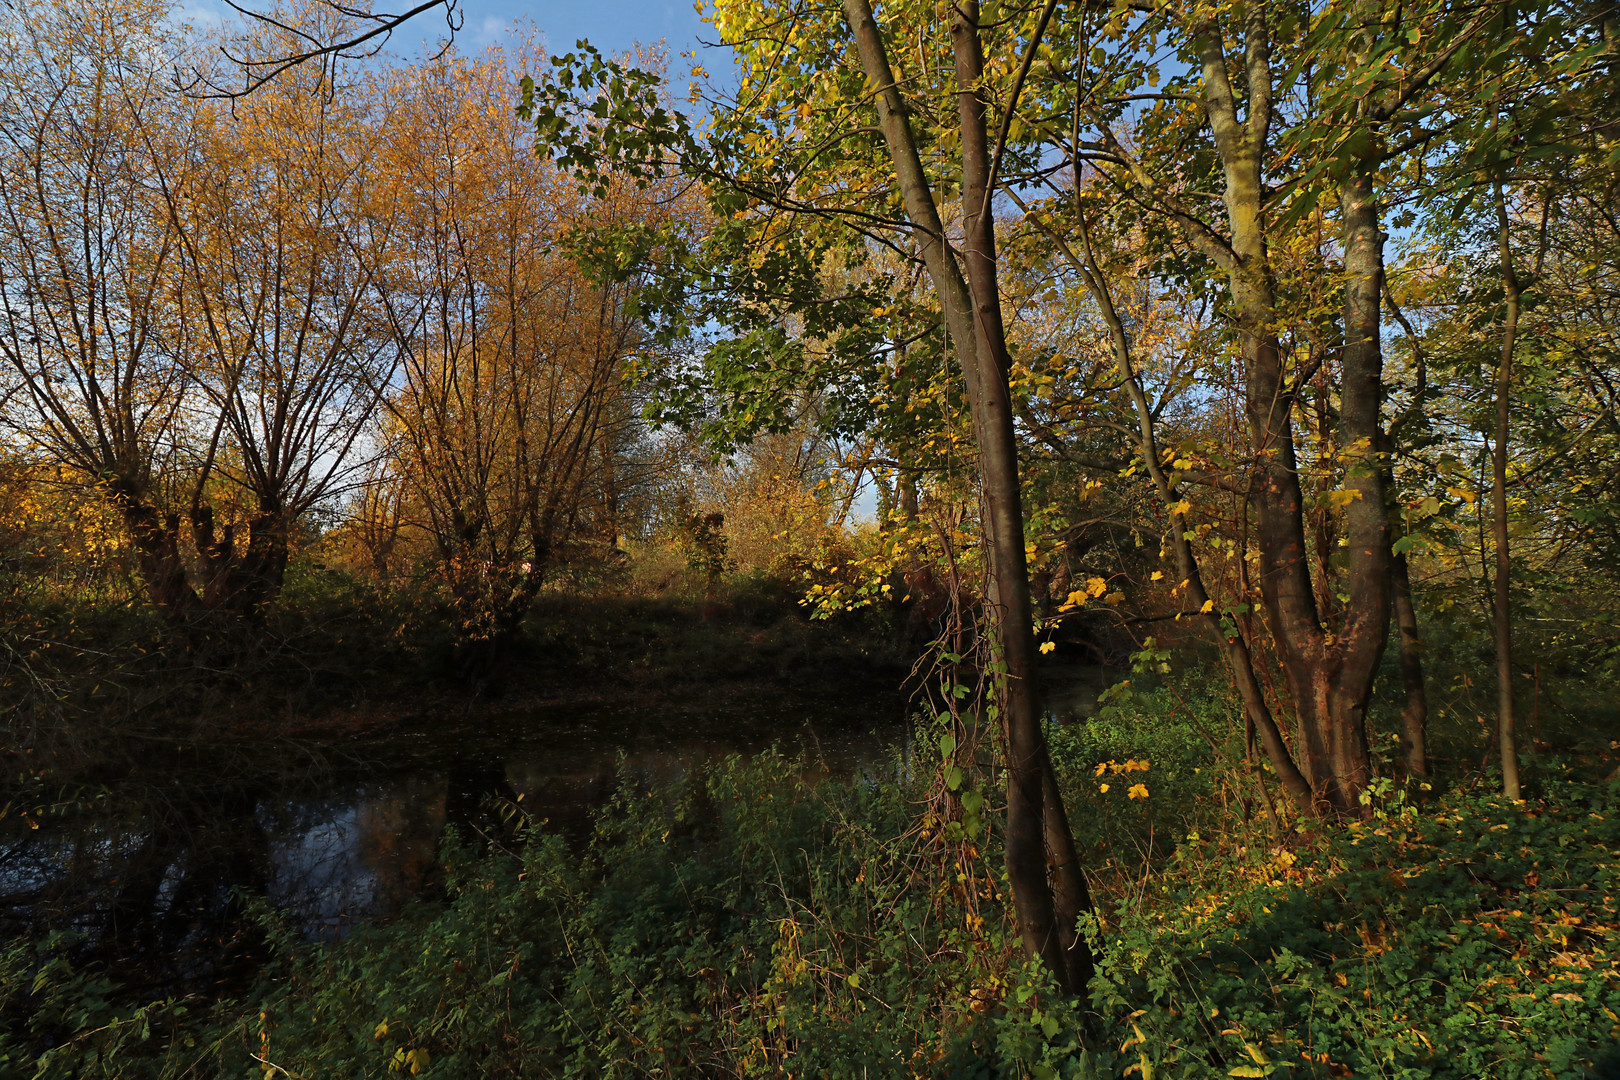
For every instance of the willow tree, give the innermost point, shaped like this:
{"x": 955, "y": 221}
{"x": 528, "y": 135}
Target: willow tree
{"x": 509, "y": 401}
{"x": 89, "y": 265}
{"x": 184, "y": 288}
{"x": 280, "y": 233}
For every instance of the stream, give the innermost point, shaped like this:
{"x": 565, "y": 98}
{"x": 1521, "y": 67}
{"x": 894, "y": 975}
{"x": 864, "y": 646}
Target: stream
{"x": 160, "y": 876}
{"x": 166, "y": 876}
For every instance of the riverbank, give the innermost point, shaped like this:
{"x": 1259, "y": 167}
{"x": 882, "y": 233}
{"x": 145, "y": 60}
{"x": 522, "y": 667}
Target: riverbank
{"x": 152, "y": 796}
{"x": 740, "y": 919}
{"x": 92, "y": 690}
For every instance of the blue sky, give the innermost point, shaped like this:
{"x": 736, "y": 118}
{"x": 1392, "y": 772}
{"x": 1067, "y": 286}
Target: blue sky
{"x": 611, "y": 25}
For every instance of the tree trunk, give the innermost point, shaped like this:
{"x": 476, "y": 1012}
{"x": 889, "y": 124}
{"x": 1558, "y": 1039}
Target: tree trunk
{"x": 157, "y": 549}
{"x": 1329, "y": 675}
{"x": 974, "y": 321}
{"x": 1415, "y": 706}
{"x": 1502, "y": 593}
{"x": 1004, "y": 492}
{"x": 262, "y": 569}
{"x": 1364, "y": 631}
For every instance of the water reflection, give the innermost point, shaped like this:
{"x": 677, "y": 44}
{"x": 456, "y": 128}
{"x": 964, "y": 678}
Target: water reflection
{"x": 157, "y": 879}
{"x": 358, "y": 853}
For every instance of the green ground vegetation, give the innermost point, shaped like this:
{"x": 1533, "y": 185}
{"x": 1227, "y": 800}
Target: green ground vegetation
{"x": 743, "y": 924}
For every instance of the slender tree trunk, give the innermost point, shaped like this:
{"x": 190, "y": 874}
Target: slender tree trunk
{"x": 1364, "y": 629}
{"x": 1235, "y": 650}
{"x": 1415, "y": 698}
{"x": 1415, "y": 704}
{"x": 1070, "y": 895}
{"x": 1502, "y": 593}
{"x": 973, "y": 319}
{"x": 906, "y": 480}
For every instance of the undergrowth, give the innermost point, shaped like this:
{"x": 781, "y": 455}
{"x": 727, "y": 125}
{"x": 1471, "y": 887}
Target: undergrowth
{"x": 741, "y": 923}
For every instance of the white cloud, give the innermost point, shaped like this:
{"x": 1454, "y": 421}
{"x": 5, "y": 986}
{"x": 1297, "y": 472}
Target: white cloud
{"x": 491, "y": 30}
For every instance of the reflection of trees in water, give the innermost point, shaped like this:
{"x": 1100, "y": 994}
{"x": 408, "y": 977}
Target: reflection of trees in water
{"x": 399, "y": 839}
{"x": 152, "y": 879}
{"x": 360, "y": 853}
{"x": 155, "y": 887}
{"x": 153, "y": 892}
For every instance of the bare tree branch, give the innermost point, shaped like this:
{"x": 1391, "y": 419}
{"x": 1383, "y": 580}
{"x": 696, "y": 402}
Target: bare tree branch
{"x": 372, "y": 30}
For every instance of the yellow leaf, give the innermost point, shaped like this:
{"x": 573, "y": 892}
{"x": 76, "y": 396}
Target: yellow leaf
{"x": 1138, "y": 791}
{"x": 1047, "y": 646}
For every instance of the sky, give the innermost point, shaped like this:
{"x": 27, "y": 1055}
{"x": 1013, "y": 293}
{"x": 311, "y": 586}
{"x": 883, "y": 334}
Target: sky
{"x": 611, "y": 25}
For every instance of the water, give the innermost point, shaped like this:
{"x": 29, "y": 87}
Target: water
{"x": 157, "y": 876}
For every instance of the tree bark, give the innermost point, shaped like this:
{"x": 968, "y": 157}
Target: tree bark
{"x": 1364, "y": 630}
{"x": 1415, "y": 704}
{"x": 973, "y": 318}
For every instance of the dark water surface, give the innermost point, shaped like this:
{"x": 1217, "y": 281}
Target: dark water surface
{"x": 157, "y": 875}
{"x": 165, "y": 875}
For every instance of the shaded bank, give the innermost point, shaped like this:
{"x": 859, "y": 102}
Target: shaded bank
{"x": 157, "y": 873}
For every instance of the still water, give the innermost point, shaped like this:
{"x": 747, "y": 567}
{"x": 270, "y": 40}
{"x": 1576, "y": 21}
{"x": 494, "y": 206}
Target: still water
{"x": 166, "y": 875}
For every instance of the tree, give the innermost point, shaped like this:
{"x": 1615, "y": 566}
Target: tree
{"x": 1274, "y": 117}
{"x": 797, "y": 172}
{"x": 90, "y": 264}
{"x": 1531, "y": 127}
{"x": 281, "y": 227}
{"x": 512, "y": 358}
{"x": 185, "y": 293}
